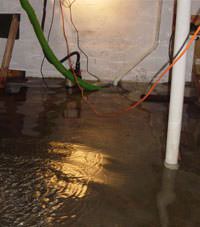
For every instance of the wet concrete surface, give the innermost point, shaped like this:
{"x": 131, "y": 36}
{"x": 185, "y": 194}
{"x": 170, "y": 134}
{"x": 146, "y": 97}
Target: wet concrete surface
{"x": 61, "y": 165}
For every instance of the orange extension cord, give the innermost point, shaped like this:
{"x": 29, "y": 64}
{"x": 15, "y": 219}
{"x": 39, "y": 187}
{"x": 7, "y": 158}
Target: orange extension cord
{"x": 134, "y": 105}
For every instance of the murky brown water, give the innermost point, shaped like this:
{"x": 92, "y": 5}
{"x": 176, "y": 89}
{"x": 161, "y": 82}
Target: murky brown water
{"x": 60, "y": 165}
{"x": 39, "y": 191}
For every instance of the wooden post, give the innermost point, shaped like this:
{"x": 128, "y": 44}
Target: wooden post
{"x": 9, "y": 49}
{"x": 196, "y": 62}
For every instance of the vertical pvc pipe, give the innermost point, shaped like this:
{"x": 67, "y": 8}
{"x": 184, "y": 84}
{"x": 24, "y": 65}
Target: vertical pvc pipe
{"x": 178, "y": 85}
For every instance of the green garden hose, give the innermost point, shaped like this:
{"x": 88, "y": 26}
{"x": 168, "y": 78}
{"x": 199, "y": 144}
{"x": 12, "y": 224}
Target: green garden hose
{"x": 48, "y": 52}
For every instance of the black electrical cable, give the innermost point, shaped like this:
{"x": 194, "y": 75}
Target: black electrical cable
{"x": 70, "y": 55}
{"x": 169, "y": 61}
{"x": 77, "y": 68}
{"x": 69, "y": 5}
{"x": 170, "y": 50}
{"x": 44, "y": 14}
{"x": 48, "y": 37}
{"x": 79, "y": 47}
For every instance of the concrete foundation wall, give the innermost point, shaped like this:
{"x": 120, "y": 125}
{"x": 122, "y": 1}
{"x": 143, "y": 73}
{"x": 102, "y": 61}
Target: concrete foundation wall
{"x": 114, "y": 35}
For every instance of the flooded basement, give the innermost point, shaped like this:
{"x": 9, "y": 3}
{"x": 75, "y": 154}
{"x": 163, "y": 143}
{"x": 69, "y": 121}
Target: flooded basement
{"x": 61, "y": 165}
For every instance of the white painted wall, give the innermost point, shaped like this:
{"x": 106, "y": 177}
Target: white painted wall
{"x": 114, "y": 33}
{"x": 153, "y": 62}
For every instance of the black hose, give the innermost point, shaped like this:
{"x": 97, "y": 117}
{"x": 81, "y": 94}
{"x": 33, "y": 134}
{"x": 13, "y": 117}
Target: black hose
{"x": 70, "y": 55}
{"x": 77, "y": 68}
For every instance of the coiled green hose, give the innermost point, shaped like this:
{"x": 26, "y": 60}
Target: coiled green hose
{"x": 48, "y": 52}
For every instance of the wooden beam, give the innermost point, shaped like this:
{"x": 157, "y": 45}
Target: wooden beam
{"x": 15, "y": 73}
{"x": 195, "y": 19}
{"x": 9, "y": 46}
{"x": 196, "y": 64}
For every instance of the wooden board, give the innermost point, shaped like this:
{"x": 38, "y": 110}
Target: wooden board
{"x": 9, "y": 46}
{"x": 15, "y": 73}
{"x": 196, "y": 64}
{"x": 196, "y": 20}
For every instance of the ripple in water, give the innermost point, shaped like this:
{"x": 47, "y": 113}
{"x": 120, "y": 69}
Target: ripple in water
{"x": 47, "y": 191}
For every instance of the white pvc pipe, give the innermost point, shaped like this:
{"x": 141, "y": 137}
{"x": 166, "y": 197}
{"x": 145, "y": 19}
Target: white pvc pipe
{"x": 118, "y": 78}
{"x": 177, "y": 86}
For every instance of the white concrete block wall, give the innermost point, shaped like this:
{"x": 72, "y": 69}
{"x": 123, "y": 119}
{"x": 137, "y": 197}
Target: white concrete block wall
{"x": 149, "y": 66}
{"x": 103, "y": 37}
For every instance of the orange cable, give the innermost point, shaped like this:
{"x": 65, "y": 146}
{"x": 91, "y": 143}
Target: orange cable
{"x": 68, "y": 51}
{"x": 134, "y": 105}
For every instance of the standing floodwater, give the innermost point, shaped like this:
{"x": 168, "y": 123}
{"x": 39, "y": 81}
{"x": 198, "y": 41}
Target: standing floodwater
{"x": 60, "y": 165}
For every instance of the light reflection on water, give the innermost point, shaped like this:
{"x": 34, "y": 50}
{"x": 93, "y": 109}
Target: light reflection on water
{"x": 52, "y": 190}
{"x": 82, "y": 166}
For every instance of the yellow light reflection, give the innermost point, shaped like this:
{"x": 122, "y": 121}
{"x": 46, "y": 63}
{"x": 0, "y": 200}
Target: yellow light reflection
{"x": 74, "y": 169}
